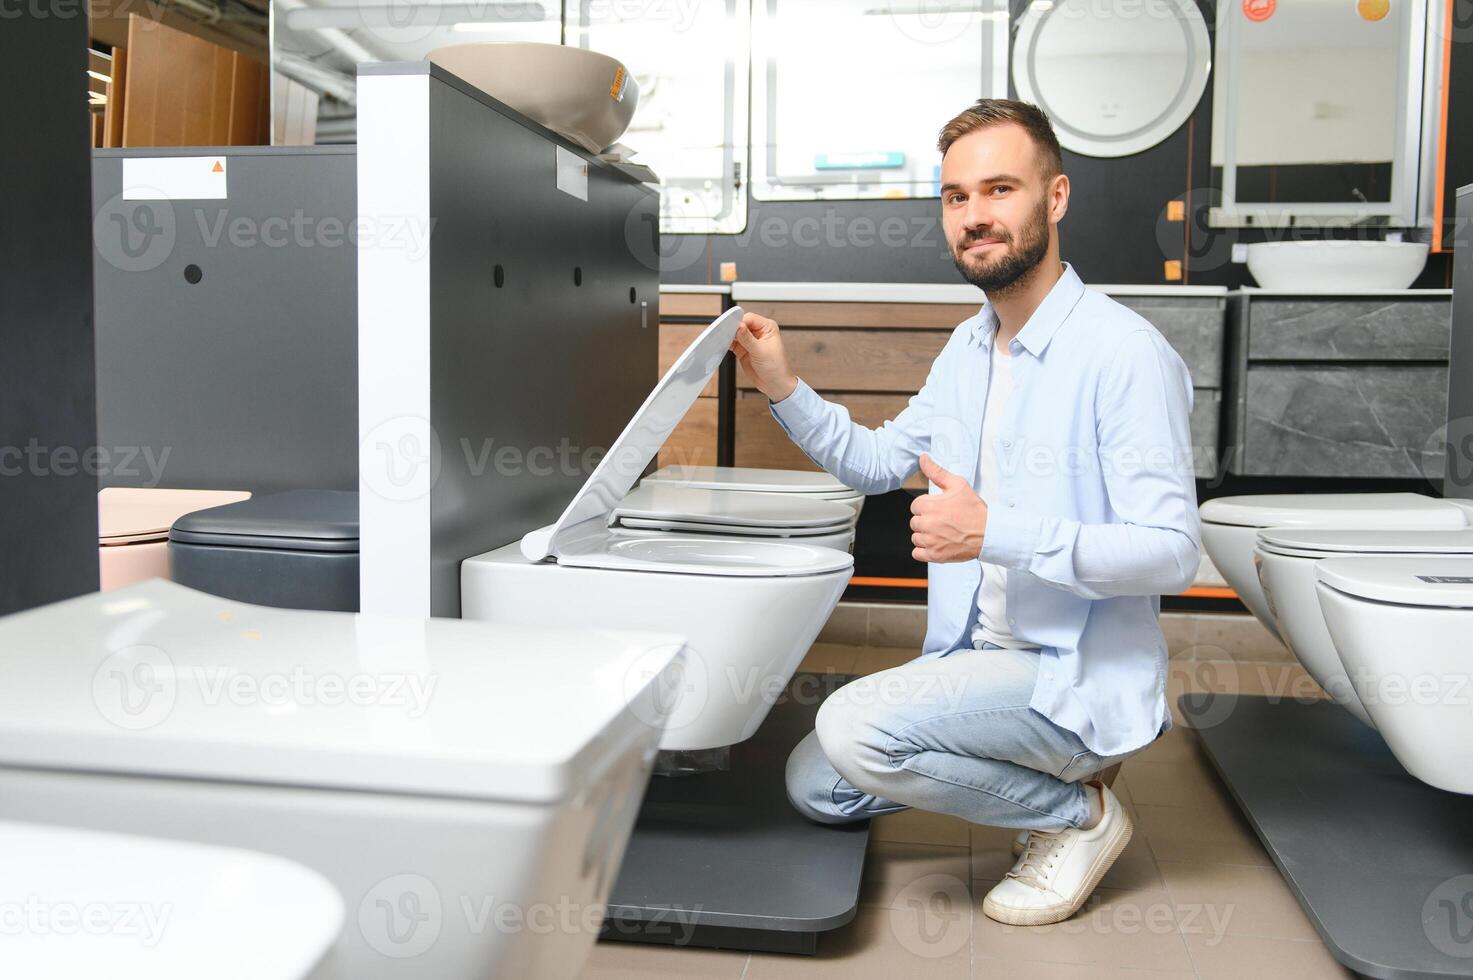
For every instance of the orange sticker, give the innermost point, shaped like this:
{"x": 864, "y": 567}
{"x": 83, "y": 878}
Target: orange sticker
{"x": 1373, "y": 10}
{"x": 1259, "y": 11}
{"x": 1173, "y": 270}
{"x": 1176, "y": 211}
{"x": 621, "y": 82}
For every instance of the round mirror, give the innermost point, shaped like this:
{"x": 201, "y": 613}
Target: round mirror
{"x": 1115, "y": 76}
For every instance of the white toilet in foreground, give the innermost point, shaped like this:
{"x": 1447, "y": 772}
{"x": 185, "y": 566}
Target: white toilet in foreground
{"x": 82, "y": 903}
{"x": 1230, "y": 527}
{"x": 468, "y": 789}
{"x": 1287, "y": 559}
{"x": 1402, "y": 627}
{"x": 748, "y": 607}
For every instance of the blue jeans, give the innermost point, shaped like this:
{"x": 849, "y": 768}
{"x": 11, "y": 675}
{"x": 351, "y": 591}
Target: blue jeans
{"x": 952, "y": 735}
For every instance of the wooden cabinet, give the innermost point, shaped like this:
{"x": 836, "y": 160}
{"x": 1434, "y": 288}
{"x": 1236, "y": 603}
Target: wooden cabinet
{"x": 683, "y": 315}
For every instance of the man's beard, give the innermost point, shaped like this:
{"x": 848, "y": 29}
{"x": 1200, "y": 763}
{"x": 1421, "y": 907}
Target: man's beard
{"x": 1018, "y": 264}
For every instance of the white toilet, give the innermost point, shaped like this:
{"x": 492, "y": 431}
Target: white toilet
{"x": 792, "y": 484}
{"x": 1402, "y": 627}
{"x": 467, "y": 788}
{"x": 1230, "y": 527}
{"x": 82, "y": 903}
{"x": 1287, "y": 557}
{"x": 672, "y": 510}
{"x": 749, "y": 607}
{"x": 133, "y": 529}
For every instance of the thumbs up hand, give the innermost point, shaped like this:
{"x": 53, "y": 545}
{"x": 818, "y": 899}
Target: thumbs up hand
{"x": 946, "y": 526}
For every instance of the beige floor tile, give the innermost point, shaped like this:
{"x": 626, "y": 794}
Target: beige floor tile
{"x": 1211, "y": 833}
{"x": 1180, "y": 744}
{"x": 1237, "y": 900}
{"x": 649, "y": 961}
{"x": 847, "y": 624}
{"x": 824, "y": 657}
{"x": 1171, "y": 784}
{"x": 1236, "y": 957}
{"x": 871, "y": 659}
{"x": 884, "y": 944}
{"x": 1135, "y": 930}
{"x": 893, "y": 872}
{"x": 921, "y": 827}
{"x": 1237, "y": 636}
{"x": 897, "y": 625}
{"x": 989, "y": 969}
{"x": 1180, "y": 631}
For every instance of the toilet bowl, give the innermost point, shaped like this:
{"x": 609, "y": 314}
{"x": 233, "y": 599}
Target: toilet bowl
{"x": 82, "y": 903}
{"x": 670, "y": 509}
{"x": 467, "y": 788}
{"x": 133, "y": 529}
{"x": 1286, "y": 558}
{"x": 749, "y": 607}
{"x": 1401, "y": 626}
{"x": 1230, "y": 527}
{"x": 792, "y": 484}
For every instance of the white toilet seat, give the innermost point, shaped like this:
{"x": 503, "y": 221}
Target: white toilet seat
{"x": 1401, "y": 626}
{"x": 748, "y": 606}
{"x": 1230, "y": 528}
{"x": 182, "y": 911}
{"x": 674, "y": 507}
{"x": 790, "y": 484}
{"x": 1287, "y": 557}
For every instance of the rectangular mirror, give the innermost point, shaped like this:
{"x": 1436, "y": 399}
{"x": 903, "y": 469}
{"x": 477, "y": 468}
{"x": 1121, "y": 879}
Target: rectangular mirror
{"x": 1317, "y": 111}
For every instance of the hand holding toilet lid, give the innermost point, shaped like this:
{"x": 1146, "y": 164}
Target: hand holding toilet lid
{"x": 646, "y": 432}
{"x": 1433, "y": 580}
{"x": 1380, "y": 510}
{"x": 1312, "y": 542}
{"x": 86, "y": 903}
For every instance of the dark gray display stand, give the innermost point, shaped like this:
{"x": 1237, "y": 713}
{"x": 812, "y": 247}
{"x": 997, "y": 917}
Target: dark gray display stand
{"x": 722, "y": 859}
{"x": 1381, "y": 863}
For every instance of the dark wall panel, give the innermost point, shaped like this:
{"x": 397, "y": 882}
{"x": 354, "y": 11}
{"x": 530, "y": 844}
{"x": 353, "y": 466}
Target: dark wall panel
{"x": 48, "y": 490}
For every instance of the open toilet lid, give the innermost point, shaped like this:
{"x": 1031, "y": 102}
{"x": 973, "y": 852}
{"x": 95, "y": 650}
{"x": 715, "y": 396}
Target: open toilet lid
{"x": 678, "y": 506}
{"x": 1370, "y": 510}
{"x": 1307, "y": 541}
{"x": 646, "y": 432}
{"x": 1434, "y": 580}
{"x": 753, "y": 479}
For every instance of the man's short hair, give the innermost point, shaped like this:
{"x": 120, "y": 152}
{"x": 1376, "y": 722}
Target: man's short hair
{"x": 994, "y": 112}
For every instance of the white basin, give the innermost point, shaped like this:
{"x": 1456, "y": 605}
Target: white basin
{"x": 583, "y": 95}
{"x": 1336, "y": 265}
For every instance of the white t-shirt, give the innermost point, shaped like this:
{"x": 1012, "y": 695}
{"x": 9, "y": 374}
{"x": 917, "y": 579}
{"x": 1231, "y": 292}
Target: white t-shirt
{"x": 992, "y": 597}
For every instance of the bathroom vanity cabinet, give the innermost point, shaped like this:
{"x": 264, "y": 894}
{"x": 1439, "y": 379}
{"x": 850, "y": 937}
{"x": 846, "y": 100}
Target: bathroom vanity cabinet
{"x": 1342, "y": 385}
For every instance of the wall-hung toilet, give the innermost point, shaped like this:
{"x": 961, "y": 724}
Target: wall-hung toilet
{"x": 671, "y": 510}
{"x": 297, "y": 549}
{"x": 1230, "y": 527}
{"x": 1401, "y": 626}
{"x": 82, "y": 903}
{"x": 749, "y": 607}
{"x": 748, "y": 479}
{"x": 133, "y": 529}
{"x": 1287, "y": 557}
{"x": 467, "y": 788}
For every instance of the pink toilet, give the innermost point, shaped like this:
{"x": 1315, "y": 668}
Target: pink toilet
{"x": 133, "y": 529}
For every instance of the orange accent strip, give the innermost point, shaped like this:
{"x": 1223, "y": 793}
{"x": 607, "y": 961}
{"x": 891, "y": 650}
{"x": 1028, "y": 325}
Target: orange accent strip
{"x": 1196, "y": 591}
{"x": 1439, "y": 196}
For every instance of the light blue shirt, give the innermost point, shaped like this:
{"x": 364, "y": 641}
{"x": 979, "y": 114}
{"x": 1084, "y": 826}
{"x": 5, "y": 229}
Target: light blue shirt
{"x": 1096, "y": 515}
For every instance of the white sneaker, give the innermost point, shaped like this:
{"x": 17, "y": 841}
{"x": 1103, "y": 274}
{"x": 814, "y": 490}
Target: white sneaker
{"x": 1058, "y": 870}
{"x": 1020, "y": 843}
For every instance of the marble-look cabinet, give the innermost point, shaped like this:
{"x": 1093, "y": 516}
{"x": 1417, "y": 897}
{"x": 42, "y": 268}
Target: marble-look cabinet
{"x": 1337, "y": 385}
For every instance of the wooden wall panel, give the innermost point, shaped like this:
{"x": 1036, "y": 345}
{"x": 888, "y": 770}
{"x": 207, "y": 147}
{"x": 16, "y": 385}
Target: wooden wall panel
{"x": 861, "y": 360}
{"x": 181, "y": 90}
{"x": 761, "y": 442}
{"x": 693, "y": 443}
{"x": 903, "y": 316}
{"x": 674, "y": 339}
{"x": 707, "y": 305}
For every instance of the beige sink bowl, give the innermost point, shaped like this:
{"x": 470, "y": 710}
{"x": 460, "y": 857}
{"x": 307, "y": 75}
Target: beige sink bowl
{"x": 583, "y": 95}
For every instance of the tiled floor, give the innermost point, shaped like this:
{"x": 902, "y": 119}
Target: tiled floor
{"x": 1194, "y": 895}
